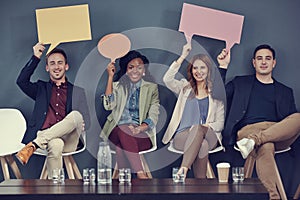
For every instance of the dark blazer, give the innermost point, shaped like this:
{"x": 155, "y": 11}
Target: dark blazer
{"x": 40, "y": 92}
{"x": 238, "y": 93}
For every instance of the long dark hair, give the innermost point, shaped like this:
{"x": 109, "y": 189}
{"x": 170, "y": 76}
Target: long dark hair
{"x": 123, "y": 62}
{"x": 191, "y": 78}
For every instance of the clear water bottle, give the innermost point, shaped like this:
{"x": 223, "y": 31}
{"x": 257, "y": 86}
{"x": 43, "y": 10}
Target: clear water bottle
{"x": 104, "y": 164}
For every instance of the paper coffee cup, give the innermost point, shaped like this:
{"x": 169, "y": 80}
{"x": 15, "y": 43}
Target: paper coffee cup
{"x": 223, "y": 172}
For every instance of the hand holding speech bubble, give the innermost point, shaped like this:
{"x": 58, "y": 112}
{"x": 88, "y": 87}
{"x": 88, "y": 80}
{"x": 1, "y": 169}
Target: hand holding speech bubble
{"x": 114, "y": 46}
{"x": 211, "y": 23}
{"x": 63, "y": 24}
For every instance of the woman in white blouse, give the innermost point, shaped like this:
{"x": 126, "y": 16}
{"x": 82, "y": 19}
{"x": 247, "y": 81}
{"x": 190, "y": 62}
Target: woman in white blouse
{"x": 198, "y": 118}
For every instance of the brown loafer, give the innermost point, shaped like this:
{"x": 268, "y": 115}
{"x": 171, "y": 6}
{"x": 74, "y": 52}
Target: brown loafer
{"x": 25, "y": 153}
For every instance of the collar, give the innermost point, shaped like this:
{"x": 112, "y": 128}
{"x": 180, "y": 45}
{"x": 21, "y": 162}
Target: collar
{"x": 136, "y": 85}
{"x": 63, "y": 84}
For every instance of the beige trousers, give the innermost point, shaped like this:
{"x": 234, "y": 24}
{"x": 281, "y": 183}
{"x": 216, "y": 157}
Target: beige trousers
{"x": 59, "y": 138}
{"x": 268, "y": 137}
{"x": 196, "y": 143}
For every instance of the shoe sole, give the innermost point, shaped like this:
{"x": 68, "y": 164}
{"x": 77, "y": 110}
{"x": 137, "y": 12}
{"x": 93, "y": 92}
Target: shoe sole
{"x": 242, "y": 150}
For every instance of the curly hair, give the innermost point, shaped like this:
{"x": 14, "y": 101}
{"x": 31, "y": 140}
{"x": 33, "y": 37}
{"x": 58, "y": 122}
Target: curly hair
{"x": 123, "y": 62}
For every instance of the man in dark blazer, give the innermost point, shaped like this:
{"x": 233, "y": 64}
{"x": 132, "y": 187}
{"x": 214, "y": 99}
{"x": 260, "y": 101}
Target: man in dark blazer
{"x": 60, "y": 111}
{"x": 261, "y": 115}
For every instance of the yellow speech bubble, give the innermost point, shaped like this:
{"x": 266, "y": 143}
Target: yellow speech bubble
{"x": 63, "y": 24}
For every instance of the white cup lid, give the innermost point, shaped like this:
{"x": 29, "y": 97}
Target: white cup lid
{"x": 223, "y": 165}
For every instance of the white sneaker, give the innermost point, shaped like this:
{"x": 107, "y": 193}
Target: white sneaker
{"x": 246, "y": 146}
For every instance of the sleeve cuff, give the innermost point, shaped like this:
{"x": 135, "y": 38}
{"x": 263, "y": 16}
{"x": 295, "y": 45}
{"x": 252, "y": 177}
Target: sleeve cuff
{"x": 149, "y": 122}
{"x": 109, "y": 98}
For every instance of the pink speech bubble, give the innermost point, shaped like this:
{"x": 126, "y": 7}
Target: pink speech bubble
{"x": 114, "y": 46}
{"x": 197, "y": 20}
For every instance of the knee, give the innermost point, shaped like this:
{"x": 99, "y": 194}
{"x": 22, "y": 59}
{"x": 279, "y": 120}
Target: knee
{"x": 200, "y": 130}
{"x": 296, "y": 115}
{"x": 76, "y": 118}
{"x": 55, "y": 147}
{"x": 267, "y": 148}
{"x": 76, "y": 115}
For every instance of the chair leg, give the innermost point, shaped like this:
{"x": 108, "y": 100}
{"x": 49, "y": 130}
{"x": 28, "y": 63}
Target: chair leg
{"x": 280, "y": 186}
{"x": 74, "y": 167}
{"x": 115, "y": 174}
{"x": 44, "y": 173}
{"x": 145, "y": 166}
{"x": 297, "y": 194}
{"x": 249, "y": 166}
{"x": 4, "y": 168}
{"x": 210, "y": 172}
{"x": 69, "y": 168}
{"x": 13, "y": 165}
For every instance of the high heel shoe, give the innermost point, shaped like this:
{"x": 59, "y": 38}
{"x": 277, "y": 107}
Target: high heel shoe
{"x": 183, "y": 170}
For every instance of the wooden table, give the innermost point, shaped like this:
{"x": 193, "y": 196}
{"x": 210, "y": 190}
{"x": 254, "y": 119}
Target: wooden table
{"x": 139, "y": 189}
